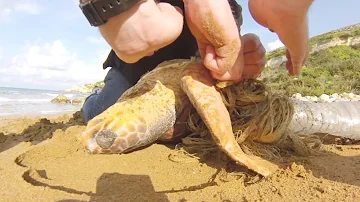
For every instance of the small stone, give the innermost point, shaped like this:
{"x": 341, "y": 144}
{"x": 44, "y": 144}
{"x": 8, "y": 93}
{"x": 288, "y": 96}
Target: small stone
{"x": 274, "y": 189}
{"x": 348, "y": 142}
{"x": 339, "y": 148}
{"x": 77, "y": 101}
{"x": 297, "y": 96}
{"x": 320, "y": 189}
{"x": 303, "y": 99}
{"x": 61, "y": 99}
{"x": 338, "y": 141}
{"x": 312, "y": 98}
{"x": 324, "y": 98}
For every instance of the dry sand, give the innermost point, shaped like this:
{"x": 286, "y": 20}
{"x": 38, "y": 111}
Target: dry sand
{"x": 44, "y": 161}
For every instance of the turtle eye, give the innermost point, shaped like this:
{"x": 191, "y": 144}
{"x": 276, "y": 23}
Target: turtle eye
{"x": 105, "y": 138}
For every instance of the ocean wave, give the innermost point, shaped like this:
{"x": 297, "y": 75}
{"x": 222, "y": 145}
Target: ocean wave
{"x": 53, "y": 95}
{"x": 5, "y": 113}
{"x": 14, "y": 92}
{"x": 50, "y": 111}
{"x": 61, "y": 111}
{"x": 50, "y": 94}
{"x": 69, "y": 95}
{"x": 2, "y": 99}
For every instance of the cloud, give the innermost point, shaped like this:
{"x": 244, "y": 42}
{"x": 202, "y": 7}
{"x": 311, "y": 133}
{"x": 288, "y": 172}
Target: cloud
{"x": 9, "y": 7}
{"x": 51, "y": 66}
{"x": 275, "y": 44}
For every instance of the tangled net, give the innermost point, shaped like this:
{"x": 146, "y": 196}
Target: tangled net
{"x": 260, "y": 123}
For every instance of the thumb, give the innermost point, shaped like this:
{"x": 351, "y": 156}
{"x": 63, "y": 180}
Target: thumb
{"x": 171, "y": 23}
{"x": 296, "y": 67}
{"x": 294, "y": 63}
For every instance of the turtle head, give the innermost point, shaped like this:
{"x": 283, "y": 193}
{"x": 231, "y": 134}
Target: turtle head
{"x": 114, "y": 134}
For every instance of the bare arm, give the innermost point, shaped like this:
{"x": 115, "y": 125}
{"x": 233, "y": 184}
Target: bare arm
{"x": 288, "y": 19}
{"x": 142, "y": 30}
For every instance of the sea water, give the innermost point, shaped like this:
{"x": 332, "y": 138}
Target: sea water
{"x": 24, "y": 102}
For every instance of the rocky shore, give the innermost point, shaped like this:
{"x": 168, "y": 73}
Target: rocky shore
{"x": 85, "y": 88}
{"x": 323, "y": 98}
{"x": 328, "y": 98}
{"x": 62, "y": 99}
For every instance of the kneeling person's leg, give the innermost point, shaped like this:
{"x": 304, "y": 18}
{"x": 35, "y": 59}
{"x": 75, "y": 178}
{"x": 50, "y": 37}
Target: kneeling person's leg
{"x": 115, "y": 85}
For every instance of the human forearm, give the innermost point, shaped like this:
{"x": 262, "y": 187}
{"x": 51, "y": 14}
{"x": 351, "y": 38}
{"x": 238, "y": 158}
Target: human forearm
{"x": 138, "y": 31}
{"x": 288, "y": 19}
{"x": 217, "y": 34}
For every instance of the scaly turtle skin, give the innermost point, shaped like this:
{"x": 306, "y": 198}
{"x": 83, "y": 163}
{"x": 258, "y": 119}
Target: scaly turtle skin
{"x": 145, "y": 112}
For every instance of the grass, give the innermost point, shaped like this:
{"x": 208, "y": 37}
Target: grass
{"x": 333, "y": 70}
{"x": 275, "y": 53}
{"x": 320, "y": 39}
{"x": 93, "y": 85}
{"x": 324, "y": 38}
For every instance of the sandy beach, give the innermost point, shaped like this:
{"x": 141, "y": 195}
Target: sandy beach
{"x": 42, "y": 160}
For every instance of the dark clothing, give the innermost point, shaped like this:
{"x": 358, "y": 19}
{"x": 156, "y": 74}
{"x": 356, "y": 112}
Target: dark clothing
{"x": 185, "y": 46}
{"x": 115, "y": 85}
{"x": 122, "y": 76}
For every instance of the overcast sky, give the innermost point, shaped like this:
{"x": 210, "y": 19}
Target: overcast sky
{"x": 50, "y": 45}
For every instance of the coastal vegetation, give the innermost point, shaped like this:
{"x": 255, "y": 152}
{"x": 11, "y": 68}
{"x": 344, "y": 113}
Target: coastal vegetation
{"x": 332, "y": 70}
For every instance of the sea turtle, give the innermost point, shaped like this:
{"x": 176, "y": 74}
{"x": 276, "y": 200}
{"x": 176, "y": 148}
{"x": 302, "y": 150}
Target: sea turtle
{"x": 148, "y": 111}
{"x": 145, "y": 112}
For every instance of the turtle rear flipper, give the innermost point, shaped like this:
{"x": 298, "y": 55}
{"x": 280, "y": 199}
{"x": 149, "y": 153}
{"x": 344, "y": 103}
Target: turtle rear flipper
{"x": 199, "y": 86}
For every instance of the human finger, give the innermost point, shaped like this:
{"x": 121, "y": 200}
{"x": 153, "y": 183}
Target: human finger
{"x": 235, "y": 73}
{"x": 255, "y": 56}
{"x": 250, "y": 42}
{"x": 252, "y": 71}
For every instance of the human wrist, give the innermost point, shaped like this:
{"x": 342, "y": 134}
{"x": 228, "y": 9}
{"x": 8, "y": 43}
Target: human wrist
{"x": 98, "y": 12}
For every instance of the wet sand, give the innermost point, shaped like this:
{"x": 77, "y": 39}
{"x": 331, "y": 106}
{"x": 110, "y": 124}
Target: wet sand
{"x": 42, "y": 160}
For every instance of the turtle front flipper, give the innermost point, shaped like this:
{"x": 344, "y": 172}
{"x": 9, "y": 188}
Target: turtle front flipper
{"x": 199, "y": 86}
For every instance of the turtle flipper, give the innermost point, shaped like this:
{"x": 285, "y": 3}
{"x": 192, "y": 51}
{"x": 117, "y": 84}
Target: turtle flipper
{"x": 199, "y": 86}
{"x": 180, "y": 129}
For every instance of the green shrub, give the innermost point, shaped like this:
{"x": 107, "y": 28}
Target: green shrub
{"x": 320, "y": 39}
{"x": 333, "y": 70}
{"x": 93, "y": 85}
{"x": 275, "y": 53}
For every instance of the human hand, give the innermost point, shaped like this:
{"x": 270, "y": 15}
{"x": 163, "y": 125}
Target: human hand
{"x": 250, "y": 62}
{"x": 142, "y": 30}
{"x": 216, "y": 32}
{"x": 254, "y": 62}
{"x": 288, "y": 19}
{"x": 254, "y": 56}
